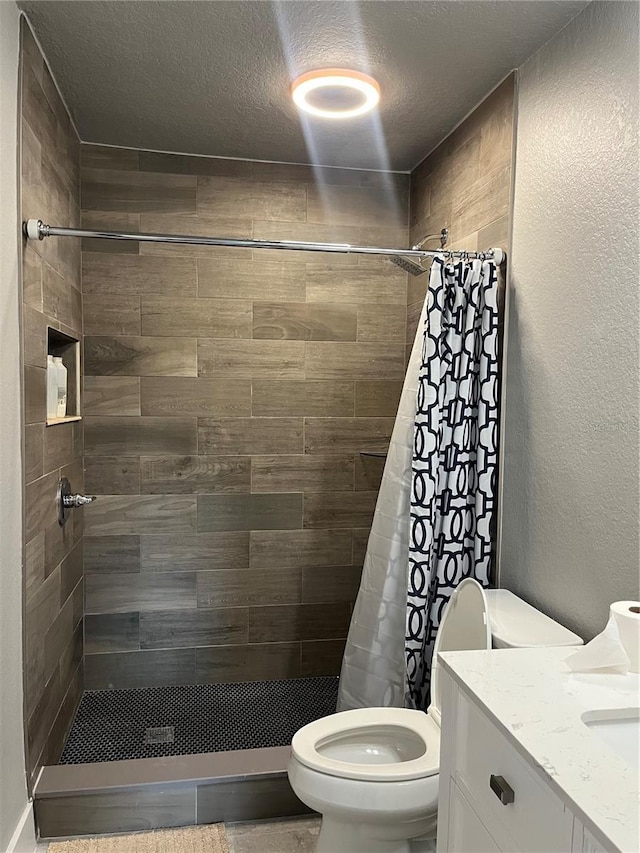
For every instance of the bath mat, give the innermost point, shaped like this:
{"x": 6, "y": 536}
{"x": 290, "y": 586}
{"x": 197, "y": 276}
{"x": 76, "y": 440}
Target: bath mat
{"x": 190, "y": 839}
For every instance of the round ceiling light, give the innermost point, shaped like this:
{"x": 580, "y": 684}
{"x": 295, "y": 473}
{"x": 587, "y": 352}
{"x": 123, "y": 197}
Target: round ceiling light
{"x": 335, "y": 93}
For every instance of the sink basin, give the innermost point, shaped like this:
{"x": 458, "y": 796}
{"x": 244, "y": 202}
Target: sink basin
{"x": 619, "y": 728}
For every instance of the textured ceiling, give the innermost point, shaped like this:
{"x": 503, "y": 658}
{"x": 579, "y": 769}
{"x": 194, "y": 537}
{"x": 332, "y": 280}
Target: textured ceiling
{"x": 213, "y": 77}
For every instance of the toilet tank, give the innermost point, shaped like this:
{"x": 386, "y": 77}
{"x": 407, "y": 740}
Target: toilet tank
{"x": 517, "y": 625}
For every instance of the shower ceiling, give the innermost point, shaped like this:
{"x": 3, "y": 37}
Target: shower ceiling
{"x": 214, "y": 77}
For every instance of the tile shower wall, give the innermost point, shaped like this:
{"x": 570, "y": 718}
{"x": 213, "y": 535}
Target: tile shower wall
{"x": 228, "y": 394}
{"x": 465, "y": 186}
{"x": 53, "y": 594}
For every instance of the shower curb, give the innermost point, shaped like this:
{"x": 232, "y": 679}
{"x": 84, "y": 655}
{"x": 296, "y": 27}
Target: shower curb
{"x": 155, "y": 793}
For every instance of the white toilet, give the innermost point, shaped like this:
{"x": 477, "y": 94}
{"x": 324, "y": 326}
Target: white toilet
{"x": 373, "y": 773}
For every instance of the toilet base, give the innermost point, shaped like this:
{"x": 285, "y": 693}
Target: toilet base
{"x": 339, "y": 836}
{"x": 364, "y": 816}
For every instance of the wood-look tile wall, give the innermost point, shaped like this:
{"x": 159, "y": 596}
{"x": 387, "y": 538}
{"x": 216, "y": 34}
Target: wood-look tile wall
{"x": 465, "y": 186}
{"x": 53, "y": 592}
{"x": 228, "y": 394}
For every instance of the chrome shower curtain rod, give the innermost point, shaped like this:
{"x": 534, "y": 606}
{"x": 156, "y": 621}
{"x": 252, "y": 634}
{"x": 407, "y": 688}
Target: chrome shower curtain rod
{"x": 35, "y": 229}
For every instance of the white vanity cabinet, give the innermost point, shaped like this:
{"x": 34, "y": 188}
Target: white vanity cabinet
{"x": 491, "y": 799}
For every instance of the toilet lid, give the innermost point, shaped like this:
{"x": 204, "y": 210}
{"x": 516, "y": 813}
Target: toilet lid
{"x": 464, "y": 626}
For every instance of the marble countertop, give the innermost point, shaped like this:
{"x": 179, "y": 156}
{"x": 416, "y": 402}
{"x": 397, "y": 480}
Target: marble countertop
{"x": 537, "y": 702}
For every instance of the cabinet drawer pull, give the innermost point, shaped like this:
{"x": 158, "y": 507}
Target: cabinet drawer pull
{"x": 502, "y": 789}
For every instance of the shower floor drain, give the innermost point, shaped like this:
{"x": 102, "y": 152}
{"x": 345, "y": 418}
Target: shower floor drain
{"x": 160, "y": 734}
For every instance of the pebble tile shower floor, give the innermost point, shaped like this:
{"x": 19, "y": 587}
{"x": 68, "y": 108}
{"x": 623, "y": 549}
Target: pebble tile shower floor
{"x": 152, "y": 722}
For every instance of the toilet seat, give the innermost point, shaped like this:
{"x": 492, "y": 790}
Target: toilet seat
{"x": 413, "y": 735}
{"x": 465, "y": 626}
{"x": 396, "y": 744}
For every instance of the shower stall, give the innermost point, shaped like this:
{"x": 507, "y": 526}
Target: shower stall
{"x": 237, "y": 402}
{"x": 211, "y": 623}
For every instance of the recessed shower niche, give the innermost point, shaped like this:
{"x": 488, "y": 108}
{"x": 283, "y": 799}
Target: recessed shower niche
{"x": 67, "y": 349}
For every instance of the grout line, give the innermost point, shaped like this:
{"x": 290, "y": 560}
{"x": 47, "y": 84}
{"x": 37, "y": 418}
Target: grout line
{"x": 238, "y": 159}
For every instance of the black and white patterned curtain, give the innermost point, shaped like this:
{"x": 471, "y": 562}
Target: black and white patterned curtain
{"x": 454, "y": 454}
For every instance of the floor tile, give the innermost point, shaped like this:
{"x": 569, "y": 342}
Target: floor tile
{"x": 113, "y": 725}
{"x": 282, "y": 836}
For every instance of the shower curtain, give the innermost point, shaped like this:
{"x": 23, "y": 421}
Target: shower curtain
{"x": 432, "y": 524}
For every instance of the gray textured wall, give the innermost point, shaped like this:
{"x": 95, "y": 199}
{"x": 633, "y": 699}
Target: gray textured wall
{"x": 570, "y": 518}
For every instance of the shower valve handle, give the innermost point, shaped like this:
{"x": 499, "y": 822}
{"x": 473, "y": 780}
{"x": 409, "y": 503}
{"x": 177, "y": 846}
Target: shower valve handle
{"x": 71, "y": 501}
{"x": 66, "y": 500}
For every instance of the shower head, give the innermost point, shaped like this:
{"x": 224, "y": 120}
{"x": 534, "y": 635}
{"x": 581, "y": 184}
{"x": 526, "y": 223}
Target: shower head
{"x": 407, "y": 265}
{"x": 418, "y": 269}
